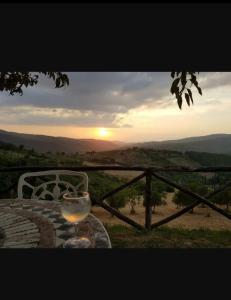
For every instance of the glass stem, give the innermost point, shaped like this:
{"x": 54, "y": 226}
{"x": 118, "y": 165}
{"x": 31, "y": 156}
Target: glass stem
{"x": 76, "y": 229}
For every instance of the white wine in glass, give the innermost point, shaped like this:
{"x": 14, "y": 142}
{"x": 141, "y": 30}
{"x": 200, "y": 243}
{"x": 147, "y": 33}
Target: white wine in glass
{"x": 75, "y": 208}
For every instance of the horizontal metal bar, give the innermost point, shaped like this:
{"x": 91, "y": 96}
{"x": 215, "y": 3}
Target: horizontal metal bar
{"x": 79, "y": 168}
{"x": 119, "y": 168}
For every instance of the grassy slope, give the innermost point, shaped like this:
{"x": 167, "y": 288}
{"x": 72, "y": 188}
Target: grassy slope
{"x": 209, "y": 159}
{"x": 164, "y": 237}
{"x": 218, "y": 143}
{"x": 142, "y": 157}
{"x": 148, "y": 157}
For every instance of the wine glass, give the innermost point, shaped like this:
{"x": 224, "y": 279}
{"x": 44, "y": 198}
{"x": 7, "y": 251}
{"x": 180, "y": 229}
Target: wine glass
{"x": 75, "y": 207}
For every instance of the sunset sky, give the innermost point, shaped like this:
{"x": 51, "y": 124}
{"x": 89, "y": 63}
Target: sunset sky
{"x": 125, "y": 106}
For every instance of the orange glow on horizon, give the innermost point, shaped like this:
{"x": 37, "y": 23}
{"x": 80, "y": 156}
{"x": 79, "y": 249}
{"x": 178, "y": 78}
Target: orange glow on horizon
{"x": 103, "y": 132}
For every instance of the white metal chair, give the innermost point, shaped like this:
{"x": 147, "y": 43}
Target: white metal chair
{"x": 54, "y": 188}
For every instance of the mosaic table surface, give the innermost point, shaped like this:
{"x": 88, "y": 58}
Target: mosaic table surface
{"x": 39, "y": 224}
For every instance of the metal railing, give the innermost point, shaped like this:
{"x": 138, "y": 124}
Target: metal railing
{"x": 148, "y": 174}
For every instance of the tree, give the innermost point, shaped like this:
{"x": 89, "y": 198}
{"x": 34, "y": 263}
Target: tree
{"x": 100, "y": 184}
{"x": 21, "y": 147}
{"x": 223, "y": 198}
{"x": 132, "y": 203}
{"x": 182, "y": 199}
{"x": 118, "y": 200}
{"x": 15, "y": 82}
{"x": 31, "y": 151}
{"x": 158, "y": 189}
{"x": 156, "y": 200}
{"x": 132, "y": 196}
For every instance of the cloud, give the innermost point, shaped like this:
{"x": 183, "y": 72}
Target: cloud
{"x": 97, "y": 91}
{"x": 94, "y": 94}
{"x": 210, "y": 80}
{"x": 27, "y": 115}
{"x": 96, "y": 99}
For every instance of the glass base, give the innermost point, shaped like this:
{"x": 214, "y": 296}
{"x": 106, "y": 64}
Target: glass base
{"x": 77, "y": 243}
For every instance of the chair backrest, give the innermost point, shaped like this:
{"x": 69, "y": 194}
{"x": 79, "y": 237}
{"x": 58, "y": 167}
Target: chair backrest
{"x": 54, "y": 187}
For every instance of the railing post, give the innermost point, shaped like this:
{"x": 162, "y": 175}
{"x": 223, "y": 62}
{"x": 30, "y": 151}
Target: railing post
{"x": 148, "y": 196}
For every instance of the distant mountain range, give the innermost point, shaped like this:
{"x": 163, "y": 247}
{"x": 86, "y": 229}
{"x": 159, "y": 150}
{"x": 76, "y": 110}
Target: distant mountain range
{"x": 214, "y": 143}
{"x": 44, "y": 143}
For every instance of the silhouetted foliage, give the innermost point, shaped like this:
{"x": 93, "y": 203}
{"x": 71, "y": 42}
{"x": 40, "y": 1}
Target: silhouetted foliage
{"x": 14, "y": 82}
{"x": 180, "y": 86}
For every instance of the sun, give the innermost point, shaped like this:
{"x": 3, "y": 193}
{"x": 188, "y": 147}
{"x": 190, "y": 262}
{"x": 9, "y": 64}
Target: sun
{"x": 103, "y": 132}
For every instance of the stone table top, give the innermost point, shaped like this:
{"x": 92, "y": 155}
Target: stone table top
{"x": 39, "y": 224}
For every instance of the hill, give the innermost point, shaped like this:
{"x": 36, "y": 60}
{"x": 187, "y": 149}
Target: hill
{"x": 215, "y": 143}
{"x": 161, "y": 158}
{"x": 43, "y": 143}
{"x": 140, "y": 156}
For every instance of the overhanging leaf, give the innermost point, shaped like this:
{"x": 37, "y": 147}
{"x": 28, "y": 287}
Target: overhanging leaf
{"x": 179, "y": 101}
{"x": 174, "y": 85}
{"x": 187, "y": 99}
{"x": 190, "y": 95}
{"x": 57, "y": 82}
{"x": 199, "y": 90}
